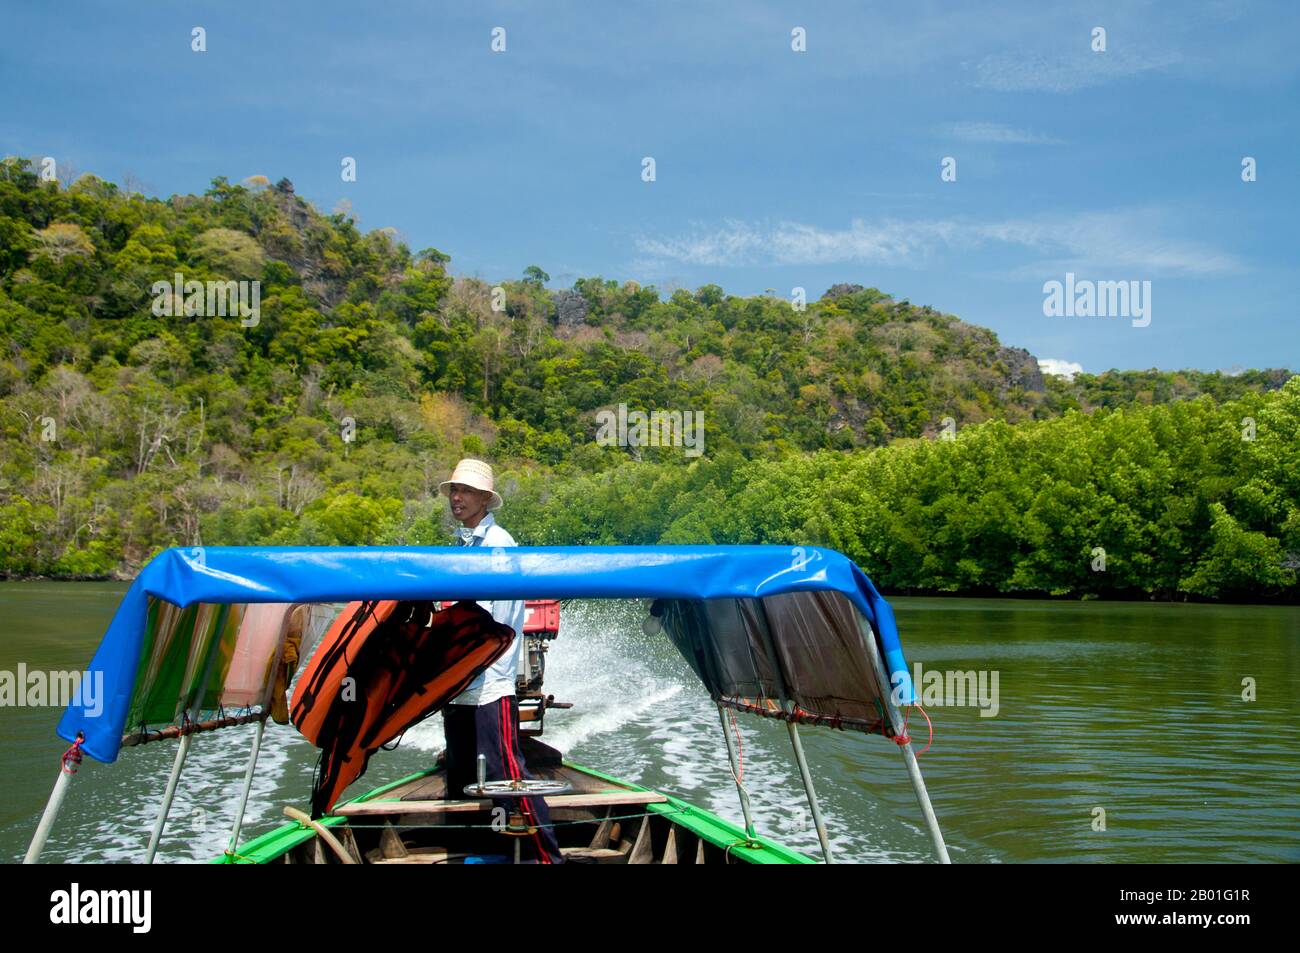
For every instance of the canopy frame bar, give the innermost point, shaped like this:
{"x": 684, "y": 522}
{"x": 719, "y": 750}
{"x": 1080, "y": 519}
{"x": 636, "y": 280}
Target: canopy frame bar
{"x": 248, "y": 787}
{"x": 793, "y": 728}
{"x": 735, "y": 774}
{"x": 174, "y": 779}
{"x": 67, "y": 770}
{"x": 909, "y": 756}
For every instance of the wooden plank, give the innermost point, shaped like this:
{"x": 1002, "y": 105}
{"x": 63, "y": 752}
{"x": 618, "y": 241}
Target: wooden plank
{"x": 670, "y": 846}
{"x": 390, "y": 843}
{"x": 350, "y": 842}
{"x": 687, "y": 846}
{"x": 641, "y": 852}
{"x": 601, "y": 799}
{"x": 599, "y": 855}
{"x": 699, "y": 851}
{"x": 425, "y": 857}
{"x": 601, "y": 838}
{"x": 606, "y": 799}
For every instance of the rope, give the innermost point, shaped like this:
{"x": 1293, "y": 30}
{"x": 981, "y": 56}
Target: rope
{"x": 71, "y": 759}
{"x": 904, "y": 738}
{"x": 737, "y": 770}
{"x": 928, "y": 722}
{"x": 740, "y": 748}
{"x": 750, "y": 845}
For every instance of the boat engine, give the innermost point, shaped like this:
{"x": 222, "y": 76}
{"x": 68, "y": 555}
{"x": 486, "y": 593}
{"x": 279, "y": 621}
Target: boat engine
{"x": 541, "y": 626}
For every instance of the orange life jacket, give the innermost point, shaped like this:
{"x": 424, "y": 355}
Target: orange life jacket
{"x": 381, "y": 668}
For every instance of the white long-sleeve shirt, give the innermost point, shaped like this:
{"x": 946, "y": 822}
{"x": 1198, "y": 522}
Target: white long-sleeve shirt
{"x": 498, "y": 680}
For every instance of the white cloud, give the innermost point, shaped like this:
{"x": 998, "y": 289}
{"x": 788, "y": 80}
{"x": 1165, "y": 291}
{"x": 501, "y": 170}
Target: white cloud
{"x": 996, "y": 132}
{"x": 794, "y": 243}
{"x": 1007, "y": 72}
{"x": 1136, "y": 241}
{"x": 1059, "y": 368}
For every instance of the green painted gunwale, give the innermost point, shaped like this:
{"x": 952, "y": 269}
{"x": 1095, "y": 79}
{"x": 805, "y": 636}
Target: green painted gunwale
{"x": 705, "y": 825}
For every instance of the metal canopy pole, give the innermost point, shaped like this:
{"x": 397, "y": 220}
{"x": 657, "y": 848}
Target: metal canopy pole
{"x": 808, "y": 787}
{"x": 248, "y": 786}
{"x": 181, "y": 752}
{"x": 735, "y": 774}
{"x": 67, "y": 768}
{"x": 909, "y": 756}
{"x": 794, "y": 736}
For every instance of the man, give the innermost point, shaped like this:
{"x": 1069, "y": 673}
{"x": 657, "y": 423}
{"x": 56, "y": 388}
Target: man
{"x": 484, "y": 719}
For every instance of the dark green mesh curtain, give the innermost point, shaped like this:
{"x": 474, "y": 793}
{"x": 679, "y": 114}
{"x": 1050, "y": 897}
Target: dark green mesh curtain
{"x": 805, "y": 647}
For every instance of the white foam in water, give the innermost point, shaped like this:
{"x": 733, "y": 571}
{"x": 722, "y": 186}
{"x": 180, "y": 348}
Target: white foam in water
{"x": 590, "y": 666}
{"x": 202, "y": 811}
{"x": 608, "y": 687}
{"x": 620, "y": 680}
{"x": 426, "y": 736}
{"x": 613, "y": 716}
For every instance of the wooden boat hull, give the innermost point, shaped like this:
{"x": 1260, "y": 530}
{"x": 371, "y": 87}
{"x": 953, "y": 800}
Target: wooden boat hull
{"x": 602, "y": 820}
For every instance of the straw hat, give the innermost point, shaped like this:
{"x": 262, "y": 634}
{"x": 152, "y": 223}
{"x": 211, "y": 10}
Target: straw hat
{"x": 473, "y": 473}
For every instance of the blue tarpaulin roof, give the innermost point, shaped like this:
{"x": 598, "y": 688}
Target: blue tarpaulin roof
{"x": 233, "y": 575}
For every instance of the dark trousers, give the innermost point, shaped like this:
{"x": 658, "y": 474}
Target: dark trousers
{"x": 492, "y": 730}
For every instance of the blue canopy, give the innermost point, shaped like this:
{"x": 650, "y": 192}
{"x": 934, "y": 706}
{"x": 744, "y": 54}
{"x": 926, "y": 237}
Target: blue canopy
{"x": 243, "y": 575}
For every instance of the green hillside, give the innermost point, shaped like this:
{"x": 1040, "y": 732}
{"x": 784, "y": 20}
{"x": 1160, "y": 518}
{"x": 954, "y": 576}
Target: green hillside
{"x": 369, "y": 370}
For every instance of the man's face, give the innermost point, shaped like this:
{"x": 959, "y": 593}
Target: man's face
{"x": 468, "y": 504}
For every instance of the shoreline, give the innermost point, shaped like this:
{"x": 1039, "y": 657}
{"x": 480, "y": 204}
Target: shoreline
{"x": 1019, "y": 595}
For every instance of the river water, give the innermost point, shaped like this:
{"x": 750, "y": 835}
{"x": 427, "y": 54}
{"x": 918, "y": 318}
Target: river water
{"x": 1121, "y": 734}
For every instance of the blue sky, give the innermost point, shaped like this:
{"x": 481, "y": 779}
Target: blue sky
{"x": 774, "y": 168}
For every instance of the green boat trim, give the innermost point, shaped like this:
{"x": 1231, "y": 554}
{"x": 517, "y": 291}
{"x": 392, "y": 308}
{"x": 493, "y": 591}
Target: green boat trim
{"x": 710, "y": 828}
{"x": 274, "y": 843}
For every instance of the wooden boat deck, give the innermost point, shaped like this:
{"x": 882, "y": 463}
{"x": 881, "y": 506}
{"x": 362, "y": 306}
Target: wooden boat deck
{"x": 543, "y": 762}
{"x": 598, "y": 821}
